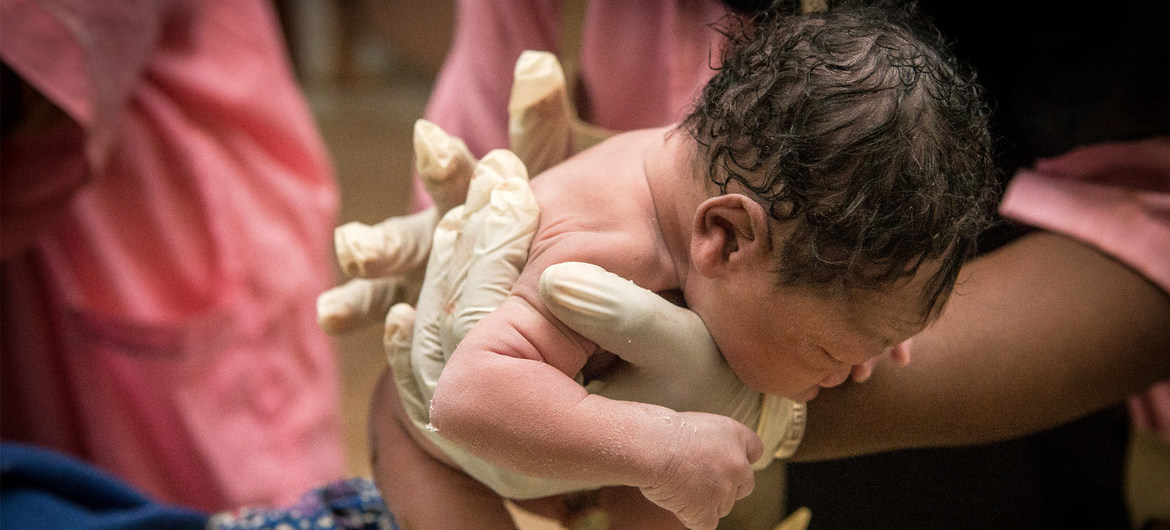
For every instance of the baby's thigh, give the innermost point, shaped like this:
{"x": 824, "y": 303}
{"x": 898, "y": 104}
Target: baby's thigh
{"x": 613, "y": 508}
{"x": 421, "y": 490}
{"x": 764, "y": 508}
{"x": 619, "y": 508}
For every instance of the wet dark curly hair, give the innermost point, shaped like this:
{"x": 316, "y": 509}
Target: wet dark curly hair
{"x": 859, "y": 131}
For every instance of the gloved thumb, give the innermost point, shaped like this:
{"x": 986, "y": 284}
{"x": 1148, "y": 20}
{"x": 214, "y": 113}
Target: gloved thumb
{"x": 673, "y": 360}
{"x": 636, "y": 324}
{"x": 538, "y": 112}
{"x": 397, "y": 340}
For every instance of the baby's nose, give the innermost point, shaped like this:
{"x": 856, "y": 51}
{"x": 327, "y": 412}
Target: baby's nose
{"x": 836, "y": 378}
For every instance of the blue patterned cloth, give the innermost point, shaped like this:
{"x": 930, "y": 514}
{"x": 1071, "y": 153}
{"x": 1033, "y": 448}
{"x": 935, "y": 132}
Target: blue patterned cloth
{"x": 353, "y": 504}
{"x": 45, "y": 490}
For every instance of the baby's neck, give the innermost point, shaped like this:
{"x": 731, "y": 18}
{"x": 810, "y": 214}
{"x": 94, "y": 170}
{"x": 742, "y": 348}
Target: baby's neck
{"x": 676, "y": 193}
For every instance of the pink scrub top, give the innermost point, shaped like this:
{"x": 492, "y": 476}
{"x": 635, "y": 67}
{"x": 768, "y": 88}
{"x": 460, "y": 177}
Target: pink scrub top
{"x": 163, "y": 327}
{"x": 1116, "y": 197}
{"x": 642, "y": 64}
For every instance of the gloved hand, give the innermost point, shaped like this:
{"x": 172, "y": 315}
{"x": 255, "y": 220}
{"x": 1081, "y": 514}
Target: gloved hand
{"x": 478, "y": 251}
{"x": 670, "y": 359}
{"x": 387, "y": 260}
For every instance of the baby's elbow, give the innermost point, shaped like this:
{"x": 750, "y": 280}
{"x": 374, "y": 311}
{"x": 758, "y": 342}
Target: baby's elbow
{"x": 454, "y": 412}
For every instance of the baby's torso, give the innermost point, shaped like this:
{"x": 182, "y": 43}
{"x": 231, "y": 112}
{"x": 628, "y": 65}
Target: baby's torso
{"x": 597, "y": 208}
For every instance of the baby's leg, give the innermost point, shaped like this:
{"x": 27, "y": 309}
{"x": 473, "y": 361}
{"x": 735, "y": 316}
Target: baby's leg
{"x": 421, "y": 491}
{"x": 619, "y": 508}
{"x": 613, "y": 508}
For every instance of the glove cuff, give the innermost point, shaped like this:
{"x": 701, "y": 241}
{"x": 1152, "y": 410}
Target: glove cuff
{"x": 781, "y": 428}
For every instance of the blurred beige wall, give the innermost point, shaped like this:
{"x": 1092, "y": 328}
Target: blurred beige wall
{"x": 366, "y": 68}
{"x": 353, "y": 40}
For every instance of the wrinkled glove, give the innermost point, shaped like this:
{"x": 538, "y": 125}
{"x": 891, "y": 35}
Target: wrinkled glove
{"x": 478, "y": 251}
{"x": 539, "y": 114}
{"x": 387, "y": 260}
{"x": 670, "y": 359}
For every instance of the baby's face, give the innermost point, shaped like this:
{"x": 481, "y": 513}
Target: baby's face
{"x": 791, "y": 342}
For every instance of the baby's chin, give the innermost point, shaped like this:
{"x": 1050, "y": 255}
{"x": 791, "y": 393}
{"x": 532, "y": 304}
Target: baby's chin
{"x": 786, "y": 390}
{"x": 807, "y": 394}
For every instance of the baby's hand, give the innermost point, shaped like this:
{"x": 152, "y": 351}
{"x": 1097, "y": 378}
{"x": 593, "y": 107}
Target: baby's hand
{"x": 707, "y": 469}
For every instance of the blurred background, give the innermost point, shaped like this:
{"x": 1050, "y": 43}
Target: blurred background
{"x": 367, "y": 68}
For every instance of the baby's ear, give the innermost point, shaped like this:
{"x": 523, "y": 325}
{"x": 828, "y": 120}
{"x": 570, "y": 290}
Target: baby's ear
{"x": 729, "y": 231}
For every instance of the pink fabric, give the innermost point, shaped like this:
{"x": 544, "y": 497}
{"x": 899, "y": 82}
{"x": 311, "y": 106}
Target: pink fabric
{"x": 1116, "y": 197}
{"x": 642, "y": 64}
{"x": 164, "y": 329}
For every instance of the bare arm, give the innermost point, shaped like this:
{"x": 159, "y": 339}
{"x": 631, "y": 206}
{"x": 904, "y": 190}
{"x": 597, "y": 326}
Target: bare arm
{"x": 503, "y": 400}
{"x": 1037, "y": 333}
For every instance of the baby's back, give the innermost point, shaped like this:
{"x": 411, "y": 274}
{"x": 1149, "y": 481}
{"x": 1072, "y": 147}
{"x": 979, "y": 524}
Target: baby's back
{"x": 597, "y": 208}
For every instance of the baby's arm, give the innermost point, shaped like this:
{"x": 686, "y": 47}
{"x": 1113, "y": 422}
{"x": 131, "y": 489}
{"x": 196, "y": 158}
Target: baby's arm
{"x": 508, "y": 396}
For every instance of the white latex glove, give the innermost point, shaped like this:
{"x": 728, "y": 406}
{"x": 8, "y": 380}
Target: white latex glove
{"x": 400, "y": 322}
{"x": 539, "y": 114}
{"x": 670, "y": 359}
{"x": 479, "y": 249}
{"x": 387, "y": 260}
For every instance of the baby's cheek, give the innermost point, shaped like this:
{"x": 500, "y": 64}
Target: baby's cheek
{"x": 768, "y": 372}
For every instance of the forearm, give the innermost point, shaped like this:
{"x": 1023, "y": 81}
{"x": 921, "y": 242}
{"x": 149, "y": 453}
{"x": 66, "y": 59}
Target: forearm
{"x": 546, "y": 426}
{"x": 1036, "y": 334}
{"x": 504, "y": 403}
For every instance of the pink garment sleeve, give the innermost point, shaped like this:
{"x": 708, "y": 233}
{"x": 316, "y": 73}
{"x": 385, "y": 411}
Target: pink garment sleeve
{"x": 642, "y": 64}
{"x": 97, "y": 73}
{"x": 1113, "y": 196}
{"x": 1116, "y": 197}
{"x": 470, "y": 98}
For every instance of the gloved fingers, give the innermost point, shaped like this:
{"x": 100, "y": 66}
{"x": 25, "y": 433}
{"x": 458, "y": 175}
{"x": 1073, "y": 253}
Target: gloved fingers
{"x": 636, "y": 324}
{"x": 396, "y": 246}
{"x": 780, "y": 428}
{"x": 444, "y": 163}
{"x": 357, "y": 303}
{"x": 489, "y": 173}
{"x": 496, "y": 166}
{"x": 427, "y": 355}
{"x": 539, "y": 115}
{"x": 502, "y": 231}
{"x": 397, "y": 340}
{"x": 797, "y": 520}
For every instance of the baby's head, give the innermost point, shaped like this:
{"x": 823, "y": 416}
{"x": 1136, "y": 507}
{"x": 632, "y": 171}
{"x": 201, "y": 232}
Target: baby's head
{"x": 865, "y": 146}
